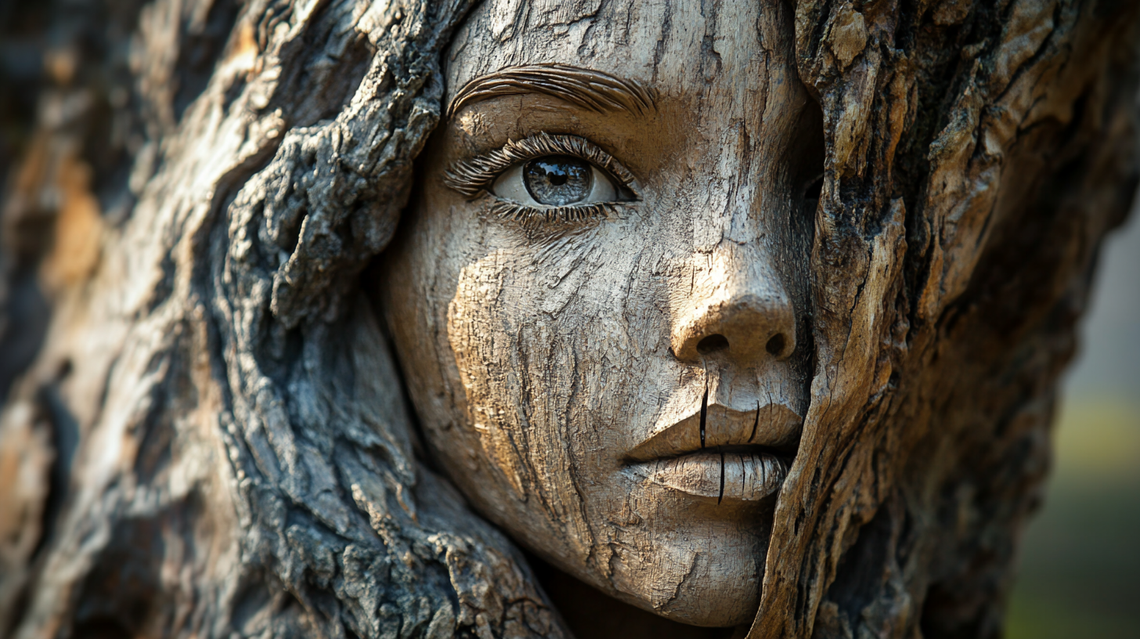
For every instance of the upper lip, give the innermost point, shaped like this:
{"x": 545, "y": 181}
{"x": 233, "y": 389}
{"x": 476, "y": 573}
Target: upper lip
{"x": 771, "y": 425}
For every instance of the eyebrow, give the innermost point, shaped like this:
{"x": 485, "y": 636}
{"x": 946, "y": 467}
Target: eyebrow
{"x": 587, "y": 88}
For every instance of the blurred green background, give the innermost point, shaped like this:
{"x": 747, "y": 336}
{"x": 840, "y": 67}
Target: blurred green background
{"x": 1079, "y": 574}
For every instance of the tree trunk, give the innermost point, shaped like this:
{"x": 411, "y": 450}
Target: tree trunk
{"x": 212, "y": 439}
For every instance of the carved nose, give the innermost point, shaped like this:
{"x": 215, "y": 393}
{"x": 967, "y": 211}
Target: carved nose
{"x": 745, "y": 326}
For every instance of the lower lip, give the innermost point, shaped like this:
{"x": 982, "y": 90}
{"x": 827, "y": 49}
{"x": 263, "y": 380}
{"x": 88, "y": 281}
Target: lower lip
{"x": 725, "y": 477}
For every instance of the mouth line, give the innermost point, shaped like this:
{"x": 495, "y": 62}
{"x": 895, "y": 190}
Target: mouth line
{"x": 780, "y": 452}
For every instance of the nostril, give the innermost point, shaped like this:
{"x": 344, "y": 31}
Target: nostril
{"x": 712, "y": 344}
{"x": 775, "y": 345}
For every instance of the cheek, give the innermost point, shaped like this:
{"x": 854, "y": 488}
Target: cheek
{"x": 552, "y": 343}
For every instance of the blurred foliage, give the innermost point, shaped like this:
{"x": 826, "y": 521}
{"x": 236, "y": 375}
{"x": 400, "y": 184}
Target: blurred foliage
{"x": 1080, "y": 557}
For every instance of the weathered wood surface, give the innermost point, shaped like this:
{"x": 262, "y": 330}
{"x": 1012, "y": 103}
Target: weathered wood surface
{"x": 211, "y": 440}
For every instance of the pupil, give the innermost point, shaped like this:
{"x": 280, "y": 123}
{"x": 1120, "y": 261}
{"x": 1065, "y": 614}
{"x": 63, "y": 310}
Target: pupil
{"x": 557, "y": 180}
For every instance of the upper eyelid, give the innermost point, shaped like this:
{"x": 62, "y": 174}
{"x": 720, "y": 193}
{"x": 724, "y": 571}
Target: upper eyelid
{"x": 470, "y": 177}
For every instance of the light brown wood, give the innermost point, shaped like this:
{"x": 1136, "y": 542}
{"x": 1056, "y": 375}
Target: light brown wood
{"x": 840, "y": 246}
{"x": 553, "y": 359}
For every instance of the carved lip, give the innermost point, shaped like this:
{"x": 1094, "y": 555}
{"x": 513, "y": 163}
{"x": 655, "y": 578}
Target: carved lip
{"x": 723, "y": 475}
{"x": 722, "y": 453}
{"x": 773, "y": 426}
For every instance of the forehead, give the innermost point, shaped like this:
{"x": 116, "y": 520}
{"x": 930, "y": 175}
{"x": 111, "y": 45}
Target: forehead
{"x": 677, "y": 47}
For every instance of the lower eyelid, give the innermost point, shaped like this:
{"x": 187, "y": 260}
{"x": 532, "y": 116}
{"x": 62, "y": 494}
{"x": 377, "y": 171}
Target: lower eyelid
{"x": 532, "y": 218}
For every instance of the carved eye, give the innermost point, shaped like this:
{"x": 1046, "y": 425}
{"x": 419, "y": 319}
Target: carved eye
{"x": 555, "y": 180}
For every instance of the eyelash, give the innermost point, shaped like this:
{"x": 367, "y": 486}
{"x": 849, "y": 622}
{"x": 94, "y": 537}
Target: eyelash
{"x": 473, "y": 177}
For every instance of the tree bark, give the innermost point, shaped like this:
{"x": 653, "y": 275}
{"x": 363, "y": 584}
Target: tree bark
{"x": 212, "y": 439}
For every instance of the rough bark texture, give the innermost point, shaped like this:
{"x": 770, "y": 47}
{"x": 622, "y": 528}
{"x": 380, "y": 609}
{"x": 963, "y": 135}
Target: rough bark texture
{"x": 212, "y": 439}
{"x": 230, "y": 460}
{"x": 976, "y": 155}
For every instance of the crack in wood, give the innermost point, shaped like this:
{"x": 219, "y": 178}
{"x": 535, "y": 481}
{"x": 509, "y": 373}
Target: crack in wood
{"x": 704, "y": 410}
{"x": 720, "y": 497}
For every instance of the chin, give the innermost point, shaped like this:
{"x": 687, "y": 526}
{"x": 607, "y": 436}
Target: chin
{"x": 711, "y": 580}
{"x": 715, "y": 601}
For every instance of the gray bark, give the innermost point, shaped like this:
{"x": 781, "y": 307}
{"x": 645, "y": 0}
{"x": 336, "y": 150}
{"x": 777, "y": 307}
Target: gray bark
{"x": 212, "y": 439}
{"x": 240, "y": 466}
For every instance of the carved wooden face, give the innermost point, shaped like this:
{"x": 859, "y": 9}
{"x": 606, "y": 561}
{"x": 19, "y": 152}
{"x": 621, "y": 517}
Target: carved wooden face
{"x": 598, "y": 294}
